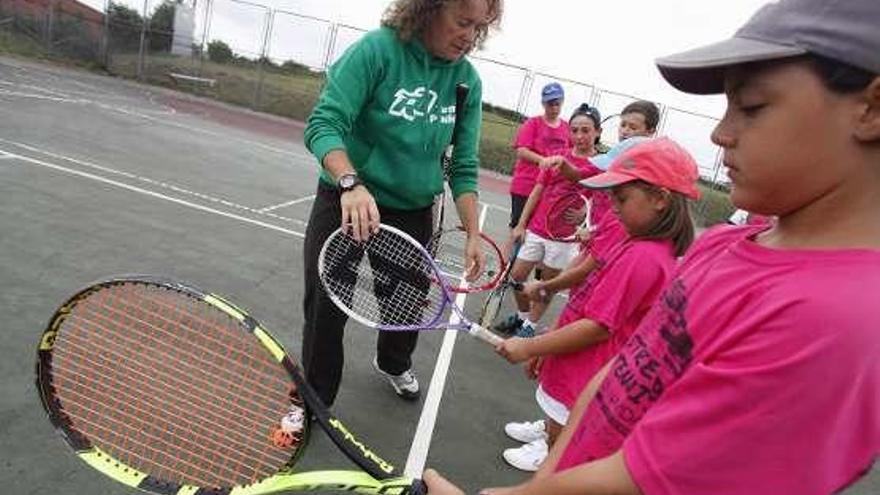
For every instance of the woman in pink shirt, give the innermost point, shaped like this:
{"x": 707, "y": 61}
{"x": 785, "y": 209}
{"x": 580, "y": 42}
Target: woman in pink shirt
{"x": 757, "y": 372}
{"x": 649, "y": 186}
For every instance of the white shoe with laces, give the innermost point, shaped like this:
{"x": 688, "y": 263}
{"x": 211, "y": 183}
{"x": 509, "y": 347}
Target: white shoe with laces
{"x": 529, "y": 457}
{"x": 527, "y": 431}
{"x": 405, "y": 385}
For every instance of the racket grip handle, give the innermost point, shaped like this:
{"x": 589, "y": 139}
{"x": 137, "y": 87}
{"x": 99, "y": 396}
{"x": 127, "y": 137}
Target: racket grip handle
{"x": 418, "y": 487}
{"x": 485, "y": 335}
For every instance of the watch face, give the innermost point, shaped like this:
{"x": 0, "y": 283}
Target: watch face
{"x": 347, "y": 181}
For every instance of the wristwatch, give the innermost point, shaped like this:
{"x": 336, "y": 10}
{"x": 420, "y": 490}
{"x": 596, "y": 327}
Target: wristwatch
{"x": 347, "y": 182}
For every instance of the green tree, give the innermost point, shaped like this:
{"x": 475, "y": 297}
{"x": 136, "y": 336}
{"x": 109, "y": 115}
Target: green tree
{"x": 162, "y": 26}
{"x": 125, "y": 28}
{"x": 220, "y": 52}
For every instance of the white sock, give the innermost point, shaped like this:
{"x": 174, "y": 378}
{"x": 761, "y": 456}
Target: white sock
{"x": 523, "y": 315}
{"x": 527, "y": 322}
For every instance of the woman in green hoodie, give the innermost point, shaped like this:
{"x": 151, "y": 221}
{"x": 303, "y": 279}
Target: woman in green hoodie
{"x": 385, "y": 115}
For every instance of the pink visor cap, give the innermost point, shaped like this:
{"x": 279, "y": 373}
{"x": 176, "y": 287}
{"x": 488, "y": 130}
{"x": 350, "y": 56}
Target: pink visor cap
{"x": 661, "y": 162}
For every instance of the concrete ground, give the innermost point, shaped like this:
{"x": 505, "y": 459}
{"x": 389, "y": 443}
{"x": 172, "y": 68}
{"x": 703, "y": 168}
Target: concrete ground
{"x": 100, "y": 176}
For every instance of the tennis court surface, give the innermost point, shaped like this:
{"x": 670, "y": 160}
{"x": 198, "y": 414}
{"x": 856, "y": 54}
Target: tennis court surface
{"x": 100, "y": 176}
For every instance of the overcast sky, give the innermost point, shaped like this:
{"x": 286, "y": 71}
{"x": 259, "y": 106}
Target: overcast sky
{"x": 610, "y": 44}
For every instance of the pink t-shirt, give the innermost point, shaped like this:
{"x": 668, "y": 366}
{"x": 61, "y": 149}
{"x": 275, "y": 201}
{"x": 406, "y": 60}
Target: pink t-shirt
{"x": 556, "y": 186}
{"x": 617, "y": 295}
{"x": 544, "y": 140}
{"x": 608, "y": 232}
{"x": 757, "y": 372}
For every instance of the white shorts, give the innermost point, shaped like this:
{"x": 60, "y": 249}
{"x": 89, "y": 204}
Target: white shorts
{"x": 554, "y": 409}
{"x": 553, "y": 254}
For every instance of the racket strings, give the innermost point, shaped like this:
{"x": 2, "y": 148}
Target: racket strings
{"x": 449, "y": 257}
{"x": 559, "y": 225}
{"x": 155, "y": 380}
{"x": 155, "y": 396}
{"x": 386, "y": 280}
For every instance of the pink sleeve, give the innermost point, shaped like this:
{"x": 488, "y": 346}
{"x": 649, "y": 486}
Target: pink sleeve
{"x": 525, "y": 137}
{"x": 628, "y": 285}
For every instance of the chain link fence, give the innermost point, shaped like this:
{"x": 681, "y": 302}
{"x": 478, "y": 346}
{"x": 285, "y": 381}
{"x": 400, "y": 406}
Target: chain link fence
{"x": 273, "y": 60}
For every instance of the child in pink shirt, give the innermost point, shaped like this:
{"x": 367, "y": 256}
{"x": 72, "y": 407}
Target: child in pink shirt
{"x": 649, "y": 198}
{"x": 539, "y": 137}
{"x": 757, "y": 373}
{"x": 537, "y": 247}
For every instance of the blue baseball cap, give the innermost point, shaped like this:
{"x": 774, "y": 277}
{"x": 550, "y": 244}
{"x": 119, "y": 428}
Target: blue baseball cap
{"x": 552, "y": 91}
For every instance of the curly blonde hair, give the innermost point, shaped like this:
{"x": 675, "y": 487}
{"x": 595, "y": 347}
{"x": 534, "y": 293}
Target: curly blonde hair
{"x": 410, "y": 18}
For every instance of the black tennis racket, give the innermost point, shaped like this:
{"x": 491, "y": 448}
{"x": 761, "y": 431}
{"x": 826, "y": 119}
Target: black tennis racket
{"x": 493, "y": 301}
{"x": 172, "y": 390}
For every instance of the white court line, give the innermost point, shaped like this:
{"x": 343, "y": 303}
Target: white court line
{"x": 289, "y": 203}
{"x": 418, "y": 452}
{"x": 153, "y": 182}
{"x": 153, "y": 194}
{"x": 133, "y": 113}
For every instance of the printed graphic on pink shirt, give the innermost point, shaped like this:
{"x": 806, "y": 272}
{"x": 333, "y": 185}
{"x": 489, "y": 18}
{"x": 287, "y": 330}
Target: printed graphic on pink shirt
{"x": 646, "y": 363}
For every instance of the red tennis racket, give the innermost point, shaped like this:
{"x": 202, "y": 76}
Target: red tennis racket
{"x": 447, "y": 246}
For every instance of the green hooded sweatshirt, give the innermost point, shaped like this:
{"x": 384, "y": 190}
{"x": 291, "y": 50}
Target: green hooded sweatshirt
{"x": 391, "y": 106}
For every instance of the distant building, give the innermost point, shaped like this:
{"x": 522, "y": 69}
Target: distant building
{"x": 64, "y": 11}
{"x": 184, "y": 29}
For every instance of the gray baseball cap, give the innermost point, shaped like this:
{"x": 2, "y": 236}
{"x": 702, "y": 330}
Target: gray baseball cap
{"x": 844, "y": 30}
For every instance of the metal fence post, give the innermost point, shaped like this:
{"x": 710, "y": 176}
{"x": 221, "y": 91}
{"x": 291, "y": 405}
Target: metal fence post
{"x": 50, "y": 25}
{"x": 264, "y": 55}
{"x": 140, "y": 61}
{"x": 209, "y": 7}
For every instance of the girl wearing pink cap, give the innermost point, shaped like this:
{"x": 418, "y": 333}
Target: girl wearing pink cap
{"x": 649, "y": 184}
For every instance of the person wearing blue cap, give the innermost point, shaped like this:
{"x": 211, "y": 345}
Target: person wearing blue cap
{"x": 538, "y": 138}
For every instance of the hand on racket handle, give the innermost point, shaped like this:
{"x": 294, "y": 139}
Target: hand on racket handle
{"x": 517, "y": 236}
{"x": 360, "y": 215}
{"x": 435, "y": 484}
{"x": 533, "y": 290}
{"x": 515, "y": 349}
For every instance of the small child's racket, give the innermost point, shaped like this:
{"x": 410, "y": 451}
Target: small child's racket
{"x": 391, "y": 282}
{"x": 171, "y": 390}
{"x": 568, "y": 214}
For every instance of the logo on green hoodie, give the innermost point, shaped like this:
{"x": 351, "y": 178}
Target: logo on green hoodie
{"x": 419, "y": 103}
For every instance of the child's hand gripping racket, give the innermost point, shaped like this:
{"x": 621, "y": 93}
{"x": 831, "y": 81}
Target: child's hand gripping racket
{"x": 171, "y": 390}
{"x": 390, "y": 282}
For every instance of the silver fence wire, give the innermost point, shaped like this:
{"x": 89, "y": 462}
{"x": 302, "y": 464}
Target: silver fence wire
{"x": 273, "y": 60}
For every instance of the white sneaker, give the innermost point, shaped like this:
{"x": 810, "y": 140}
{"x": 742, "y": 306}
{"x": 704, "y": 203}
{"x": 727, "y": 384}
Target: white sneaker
{"x": 528, "y": 457}
{"x": 405, "y": 385}
{"x": 527, "y": 431}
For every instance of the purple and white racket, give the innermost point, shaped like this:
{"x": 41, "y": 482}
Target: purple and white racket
{"x": 391, "y": 282}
